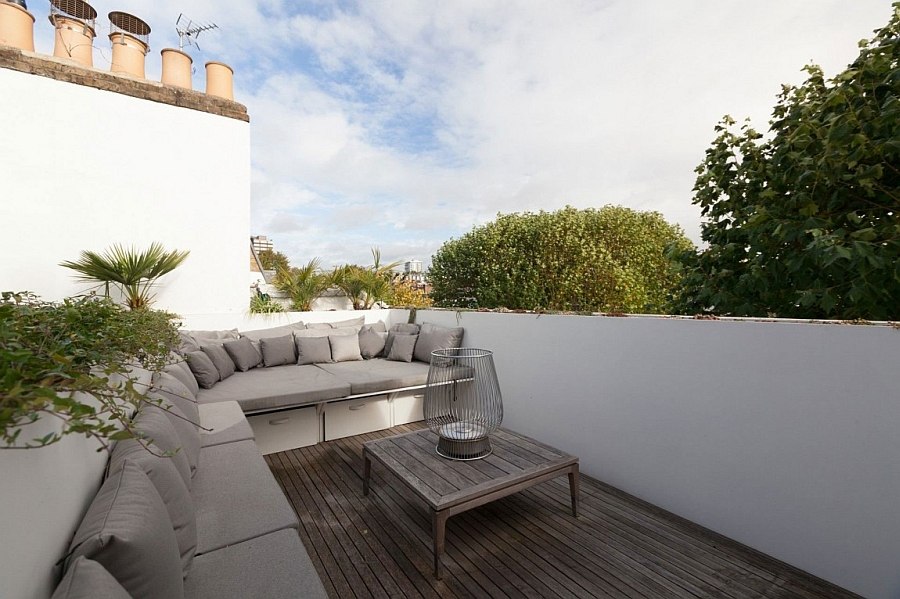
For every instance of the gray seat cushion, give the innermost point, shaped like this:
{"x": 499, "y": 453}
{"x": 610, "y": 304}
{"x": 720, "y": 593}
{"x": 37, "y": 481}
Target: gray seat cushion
{"x": 86, "y": 579}
{"x": 275, "y": 566}
{"x": 267, "y": 388}
{"x": 236, "y": 497}
{"x": 226, "y": 421}
{"x": 127, "y": 530}
{"x": 372, "y": 376}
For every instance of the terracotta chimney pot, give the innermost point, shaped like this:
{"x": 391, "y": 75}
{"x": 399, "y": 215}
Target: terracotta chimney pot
{"x": 219, "y": 80}
{"x": 176, "y": 68}
{"x": 16, "y": 26}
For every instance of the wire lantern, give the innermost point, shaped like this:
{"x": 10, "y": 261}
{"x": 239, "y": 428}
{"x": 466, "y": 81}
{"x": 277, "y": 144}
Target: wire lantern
{"x": 463, "y": 405}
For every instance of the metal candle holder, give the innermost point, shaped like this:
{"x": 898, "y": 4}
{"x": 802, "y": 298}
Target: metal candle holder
{"x": 463, "y": 404}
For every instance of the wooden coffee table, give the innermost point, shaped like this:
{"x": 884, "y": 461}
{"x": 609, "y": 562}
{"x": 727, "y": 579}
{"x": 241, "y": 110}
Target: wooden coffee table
{"x": 450, "y": 487}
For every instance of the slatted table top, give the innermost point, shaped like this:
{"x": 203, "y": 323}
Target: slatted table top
{"x": 444, "y": 483}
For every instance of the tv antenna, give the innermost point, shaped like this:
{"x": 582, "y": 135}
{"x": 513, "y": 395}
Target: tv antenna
{"x": 188, "y": 31}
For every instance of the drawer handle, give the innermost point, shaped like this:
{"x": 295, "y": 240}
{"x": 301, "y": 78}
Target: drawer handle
{"x": 358, "y": 406}
{"x": 419, "y": 396}
{"x": 279, "y": 421}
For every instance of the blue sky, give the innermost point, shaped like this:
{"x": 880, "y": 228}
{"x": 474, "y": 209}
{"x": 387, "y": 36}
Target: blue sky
{"x": 402, "y": 124}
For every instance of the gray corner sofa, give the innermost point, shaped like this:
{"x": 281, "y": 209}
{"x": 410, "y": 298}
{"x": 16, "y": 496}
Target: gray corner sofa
{"x": 191, "y": 508}
{"x": 372, "y": 368}
{"x": 188, "y": 511}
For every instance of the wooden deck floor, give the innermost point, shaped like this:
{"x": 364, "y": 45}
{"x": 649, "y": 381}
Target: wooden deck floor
{"x": 525, "y": 545}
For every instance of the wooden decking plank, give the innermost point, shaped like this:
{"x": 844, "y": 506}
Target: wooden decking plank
{"x": 396, "y": 584}
{"x": 526, "y": 544}
{"x": 331, "y": 574}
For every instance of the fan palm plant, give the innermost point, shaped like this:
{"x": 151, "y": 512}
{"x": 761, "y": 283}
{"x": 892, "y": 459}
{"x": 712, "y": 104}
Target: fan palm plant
{"x": 303, "y": 284}
{"x": 134, "y": 273}
{"x": 365, "y": 285}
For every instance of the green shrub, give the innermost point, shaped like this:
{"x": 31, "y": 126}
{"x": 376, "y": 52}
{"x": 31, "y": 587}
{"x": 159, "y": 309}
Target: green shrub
{"x": 69, "y": 361}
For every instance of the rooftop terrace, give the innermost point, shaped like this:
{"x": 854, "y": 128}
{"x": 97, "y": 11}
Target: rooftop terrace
{"x": 525, "y": 545}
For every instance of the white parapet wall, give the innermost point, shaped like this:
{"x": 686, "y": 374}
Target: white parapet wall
{"x": 84, "y": 168}
{"x": 784, "y": 436}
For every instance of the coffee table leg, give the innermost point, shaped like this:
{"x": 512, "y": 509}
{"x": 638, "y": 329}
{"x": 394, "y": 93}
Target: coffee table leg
{"x": 438, "y": 530}
{"x": 367, "y": 470}
{"x": 573, "y": 488}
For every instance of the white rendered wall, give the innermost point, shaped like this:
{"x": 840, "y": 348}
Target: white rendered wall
{"x": 82, "y": 169}
{"x": 783, "y": 436}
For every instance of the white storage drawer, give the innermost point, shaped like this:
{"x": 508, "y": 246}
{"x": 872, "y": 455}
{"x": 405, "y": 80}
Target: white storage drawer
{"x": 290, "y": 429}
{"x": 408, "y": 406}
{"x": 357, "y": 416}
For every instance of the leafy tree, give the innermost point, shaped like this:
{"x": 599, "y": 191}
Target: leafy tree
{"x": 134, "y": 273}
{"x": 303, "y": 284}
{"x": 612, "y": 259}
{"x": 405, "y": 294}
{"x": 803, "y": 222}
{"x": 272, "y": 260}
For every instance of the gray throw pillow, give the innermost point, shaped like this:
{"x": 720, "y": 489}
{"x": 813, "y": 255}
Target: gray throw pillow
{"x": 127, "y": 530}
{"x": 432, "y": 337}
{"x": 389, "y": 341}
{"x": 402, "y": 348}
{"x": 167, "y": 482}
{"x": 86, "y": 579}
{"x": 203, "y": 368}
{"x": 156, "y": 431}
{"x": 188, "y": 343}
{"x": 243, "y": 353}
{"x": 378, "y": 327}
{"x": 278, "y": 350}
{"x": 220, "y": 359}
{"x": 371, "y": 343}
{"x": 175, "y": 393}
{"x": 313, "y": 350}
{"x": 405, "y": 327}
{"x": 344, "y": 348}
{"x": 325, "y": 332}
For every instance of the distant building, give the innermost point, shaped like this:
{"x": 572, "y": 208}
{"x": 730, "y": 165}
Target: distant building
{"x": 260, "y": 243}
{"x": 414, "y": 271}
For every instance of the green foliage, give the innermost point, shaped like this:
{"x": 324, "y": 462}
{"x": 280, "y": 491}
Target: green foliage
{"x": 365, "y": 285}
{"x": 803, "y": 222}
{"x": 69, "y": 361}
{"x": 303, "y": 284}
{"x": 272, "y": 260}
{"x": 133, "y": 272}
{"x": 612, "y": 260}
{"x": 263, "y": 304}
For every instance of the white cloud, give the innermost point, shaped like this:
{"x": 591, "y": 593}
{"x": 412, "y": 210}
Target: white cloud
{"x": 429, "y": 117}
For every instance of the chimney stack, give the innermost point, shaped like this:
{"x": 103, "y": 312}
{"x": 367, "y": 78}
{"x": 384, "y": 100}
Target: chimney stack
{"x": 74, "y": 21}
{"x": 130, "y": 39}
{"x": 176, "y": 68}
{"x": 16, "y": 25}
{"x": 219, "y": 80}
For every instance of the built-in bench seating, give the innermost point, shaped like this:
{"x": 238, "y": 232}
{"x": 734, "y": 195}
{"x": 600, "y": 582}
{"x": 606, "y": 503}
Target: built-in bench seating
{"x": 190, "y": 508}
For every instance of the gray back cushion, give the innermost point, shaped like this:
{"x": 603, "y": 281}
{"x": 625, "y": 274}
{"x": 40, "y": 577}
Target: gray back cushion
{"x": 371, "y": 343}
{"x": 325, "y": 332}
{"x": 202, "y": 336}
{"x": 157, "y": 432}
{"x": 313, "y": 350}
{"x": 281, "y": 331}
{"x": 315, "y": 326}
{"x": 402, "y": 348}
{"x": 185, "y": 429}
{"x": 182, "y": 372}
{"x": 344, "y": 348}
{"x": 350, "y": 322}
{"x": 168, "y": 483}
{"x": 204, "y": 370}
{"x": 243, "y": 353}
{"x": 378, "y": 327}
{"x": 86, "y": 579}
{"x": 220, "y": 359}
{"x": 432, "y": 337}
{"x": 278, "y": 350}
{"x": 127, "y": 530}
{"x": 175, "y": 393}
